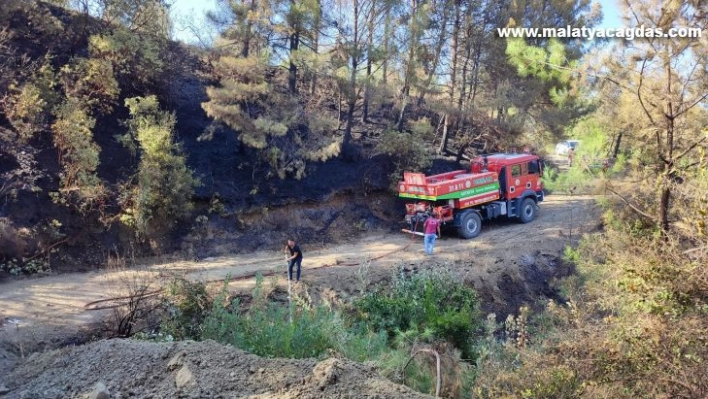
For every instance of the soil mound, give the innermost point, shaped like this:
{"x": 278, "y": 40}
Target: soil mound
{"x": 128, "y": 368}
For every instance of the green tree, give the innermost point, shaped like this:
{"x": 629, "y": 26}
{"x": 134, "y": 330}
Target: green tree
{"x": 28, "y": 105}
{"x": 72, "y": 133}
{"x": 250, "y": 98}
{"x": 418, "y": 15}
{"x": 165, "y": 185}
{"x": 378, "y": 55}
{"x": 351, "y": 55}
{"x": 299, "y": 31}
{"x": 488, "y": 102}
{"x": 245, "y": 24}
{"x": 136, "y": 61}
{"x": 430, "y": 306}
{"x": 141, "y": 17}
{"x": 550, "y": 61}
{"x": 92, "y": 81}
{"x": 663, "y": 88}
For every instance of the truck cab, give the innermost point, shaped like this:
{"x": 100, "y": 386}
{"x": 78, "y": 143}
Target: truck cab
{"x": 519, "y": 174}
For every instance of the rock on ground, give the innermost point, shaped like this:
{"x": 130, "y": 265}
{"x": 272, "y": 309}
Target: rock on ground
{"x": 100, "y": 392}
{"x": 7, "y": 362}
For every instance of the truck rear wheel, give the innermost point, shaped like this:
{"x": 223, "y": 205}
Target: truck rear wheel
{"x": 470, "y": 225}
{"x": 527, "y": 213}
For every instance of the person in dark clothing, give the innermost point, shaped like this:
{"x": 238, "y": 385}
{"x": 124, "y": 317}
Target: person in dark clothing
{"x": 295, "y": 258}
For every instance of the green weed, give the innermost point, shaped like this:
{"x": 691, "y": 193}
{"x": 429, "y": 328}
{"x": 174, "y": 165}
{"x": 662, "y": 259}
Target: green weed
{"x": 434, "y": 305}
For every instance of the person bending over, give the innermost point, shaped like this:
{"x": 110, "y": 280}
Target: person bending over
{"x": 295, "y": 258}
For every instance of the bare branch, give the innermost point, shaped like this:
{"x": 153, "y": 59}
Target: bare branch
{"x": 688, "y": 80}
{"x": 438, "y": 381}
{"x": 698, "y": 101}
{"x": 632, "y": 206}
{"x": 689, "y": 149}
{"x": 641, "y": 100}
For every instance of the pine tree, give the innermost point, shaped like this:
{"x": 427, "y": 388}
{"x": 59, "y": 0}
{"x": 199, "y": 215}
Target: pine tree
{"x": 142, "y": 17}
{"x": 72, "y": 133}
{"x": 250, "y": 98}
{"x": 165, "y": 184}
{"x": 664, "y": 91}
{"x": 351, "y": 56}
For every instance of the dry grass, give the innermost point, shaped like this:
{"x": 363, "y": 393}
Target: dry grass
{"x": 635, "y": 324}
{"x": 135, "y": 308}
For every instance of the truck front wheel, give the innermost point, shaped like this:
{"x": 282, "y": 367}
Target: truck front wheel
{"x": 528, "y": 210}
{"x": 470, "y": 225}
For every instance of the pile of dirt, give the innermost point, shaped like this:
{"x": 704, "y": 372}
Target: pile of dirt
{"x": 7, "y": 362}
{"x": 127, "y": 368}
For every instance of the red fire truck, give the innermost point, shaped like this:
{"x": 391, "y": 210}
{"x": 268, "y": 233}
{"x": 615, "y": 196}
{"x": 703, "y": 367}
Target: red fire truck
{"x": 496, "y": 185}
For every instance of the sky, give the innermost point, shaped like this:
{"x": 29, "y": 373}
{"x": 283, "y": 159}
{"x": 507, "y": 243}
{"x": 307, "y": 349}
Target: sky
{"x": 186, "y": 12}
{"x": 611, "y": 11}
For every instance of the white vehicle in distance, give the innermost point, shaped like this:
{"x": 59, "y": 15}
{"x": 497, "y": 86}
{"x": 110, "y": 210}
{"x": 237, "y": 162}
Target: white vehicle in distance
{"x": 563, "y": 147}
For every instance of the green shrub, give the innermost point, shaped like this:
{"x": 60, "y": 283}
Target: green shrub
{"x": 359, "y": 343}
{"x": 267, "y": 331}
{"x": 276, "y": 330}
{"x": 558, "y": 382}
{"x": 620, "y": 165}
{"x": 576, "y": 180}
{"x": 188, "y": 304}
{"x": 415, "y": 365}
{"x": 164, "y": 182}
{"x": 298, "y": 330}
{"x": 93, "y": 82}
{"x": 135, "y": 59}
{"x": 635, "y": 325}
{"x": 17, "y": 267}
{"x": 78, "y": 152}
{"x": 28, "y": 106}
{"x": 434, "y": 305}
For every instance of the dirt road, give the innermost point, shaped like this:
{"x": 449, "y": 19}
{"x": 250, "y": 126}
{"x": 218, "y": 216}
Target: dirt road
{"x": 509, "y": 264}
{"x": 506, "y": 263}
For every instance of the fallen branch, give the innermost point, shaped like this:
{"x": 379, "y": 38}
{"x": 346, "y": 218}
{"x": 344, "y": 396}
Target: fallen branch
{"x": 694, "y": 390}
{"x": 438, "y": 381}
{"x": 633, "y": 207}
{"x": 688, "y": 251}
{"x": 46, "y": 250}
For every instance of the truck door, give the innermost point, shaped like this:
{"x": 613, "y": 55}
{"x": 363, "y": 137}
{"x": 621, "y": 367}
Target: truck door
{"x": 502, "y": 181}
{"x": 516, "y": 183}
{"x": 535, "y": 171}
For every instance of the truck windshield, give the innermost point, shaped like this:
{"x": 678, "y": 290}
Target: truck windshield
{"x": 534, "y": 167}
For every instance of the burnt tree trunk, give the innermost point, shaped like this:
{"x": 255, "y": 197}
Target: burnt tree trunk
{"x": 436, "y": 58}
{"x": 352, "y": 95}
{"x": 615, "y": 152}
{"x": 292, "y": 72}
{"x": 369, "y": 50}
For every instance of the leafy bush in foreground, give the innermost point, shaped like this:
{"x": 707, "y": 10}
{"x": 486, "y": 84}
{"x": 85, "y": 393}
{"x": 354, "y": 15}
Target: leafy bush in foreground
{"x": 300, "y": 330}
{"x": 266, "y": 329}
{"x": 434, "y": 304}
